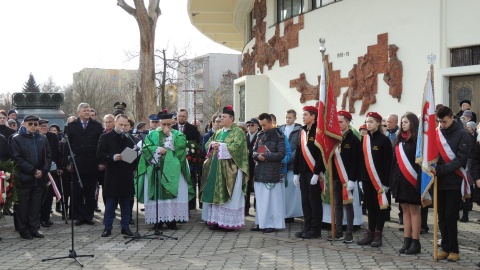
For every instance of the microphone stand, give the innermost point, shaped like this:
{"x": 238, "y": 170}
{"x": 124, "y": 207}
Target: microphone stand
{"x": 71, "y": 253}
{"x": 136, "y": 235}
{"x": 64, "y": 210}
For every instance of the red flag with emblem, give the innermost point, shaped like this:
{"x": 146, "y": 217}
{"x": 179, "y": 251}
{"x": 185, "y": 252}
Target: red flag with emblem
{"x": 328, "y": 133}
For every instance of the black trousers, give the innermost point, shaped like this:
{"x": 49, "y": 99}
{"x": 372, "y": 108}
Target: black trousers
{"x": 47, "y": 200}
{"x": 311, "y": 203}
{"x": 28, "y": 209}
{"x": 448, "y": 207}
{"x": 84, "y": 198}
{"x": 376, "y": 216}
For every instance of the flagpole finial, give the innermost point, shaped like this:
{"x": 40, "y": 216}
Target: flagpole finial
{"x": 322, "y": 49}
{"x": 431, "y": 58}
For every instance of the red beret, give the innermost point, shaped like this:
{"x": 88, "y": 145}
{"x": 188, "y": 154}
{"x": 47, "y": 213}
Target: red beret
{"x": 345, "y": 114}
{"x": 311, "y": 109}
{"x": 364, "y": 126}
{"x": 375, "y": 115}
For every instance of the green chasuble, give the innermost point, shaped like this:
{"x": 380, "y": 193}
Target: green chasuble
{"x": 219, "y": 176}
{"x": 173, "y": 162}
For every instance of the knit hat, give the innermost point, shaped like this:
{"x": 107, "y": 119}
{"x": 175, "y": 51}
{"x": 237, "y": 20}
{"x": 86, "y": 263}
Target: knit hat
{"x": 472, "y": 125}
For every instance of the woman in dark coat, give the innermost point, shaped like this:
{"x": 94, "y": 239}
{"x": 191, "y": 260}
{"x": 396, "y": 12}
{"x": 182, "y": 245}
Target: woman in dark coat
{"x": 405, "y": 183}
{"x": 375, "y": 174}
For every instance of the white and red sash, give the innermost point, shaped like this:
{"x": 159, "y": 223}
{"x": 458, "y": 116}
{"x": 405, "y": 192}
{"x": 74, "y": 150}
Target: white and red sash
{"x": 448, "y": 155}
{"x": 342, "y": 174}
{"x": 405, "y": 166}
{"x": 54, "y": 186}
{"x": 372, "y": 172}
{"x": 307, "y": 155}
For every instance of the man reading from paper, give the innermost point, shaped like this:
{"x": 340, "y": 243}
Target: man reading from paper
{"x": 164, "y": 160}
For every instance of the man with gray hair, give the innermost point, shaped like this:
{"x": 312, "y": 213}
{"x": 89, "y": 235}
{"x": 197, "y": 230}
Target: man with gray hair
{"x": 83, "y": 134}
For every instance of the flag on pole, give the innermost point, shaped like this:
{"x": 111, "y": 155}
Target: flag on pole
{"x": 328, "y": 134}
{"x": 427, "y": 152}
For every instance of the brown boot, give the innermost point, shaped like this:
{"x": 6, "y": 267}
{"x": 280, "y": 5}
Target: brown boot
{"x": 367, "y": 239}
{"x": 377, "y": 240}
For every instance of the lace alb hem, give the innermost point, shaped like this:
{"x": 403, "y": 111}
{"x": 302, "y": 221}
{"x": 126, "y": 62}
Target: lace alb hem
{"x": 226, "y": 217}
{"x": 166, "y": 212}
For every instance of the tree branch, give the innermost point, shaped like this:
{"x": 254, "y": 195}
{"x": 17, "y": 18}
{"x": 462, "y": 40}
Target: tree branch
{"x": 127, "y": 8}
{"x": 154, "y": 9}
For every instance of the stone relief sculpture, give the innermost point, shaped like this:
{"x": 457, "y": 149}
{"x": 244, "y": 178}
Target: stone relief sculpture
{"x": 369, "y": 79}
{"x": 308, "y": 91}
{"x": 353, "y": 93}
{"x": 276, "y": 49}
{"x": 394, "y": 75}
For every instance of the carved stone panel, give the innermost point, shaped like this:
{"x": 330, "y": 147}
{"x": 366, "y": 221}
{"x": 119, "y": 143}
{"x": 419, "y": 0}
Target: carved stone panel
{"x": 308, "y": 91}
{"x": 266, "y": 53}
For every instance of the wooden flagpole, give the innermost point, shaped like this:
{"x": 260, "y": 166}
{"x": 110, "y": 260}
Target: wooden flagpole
{"x": 435, "y": 219}
{"x": 332, "y": 210}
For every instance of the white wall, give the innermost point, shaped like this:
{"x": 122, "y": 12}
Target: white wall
{"x": 418, "y": 28}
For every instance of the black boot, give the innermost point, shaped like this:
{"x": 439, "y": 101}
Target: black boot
{"x": 407, "y": 242}
{"x": 414, "y": 248}
{"x": 377, "y": 239}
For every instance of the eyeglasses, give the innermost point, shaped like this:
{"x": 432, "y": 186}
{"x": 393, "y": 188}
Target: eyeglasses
{"x": 167, "y": 125}
{"x": 384, "y": 125}
{"x": 32, "y": 124}
{"x": 250, "y": 125}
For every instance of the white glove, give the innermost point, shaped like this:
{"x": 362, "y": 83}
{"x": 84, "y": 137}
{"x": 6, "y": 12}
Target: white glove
{"x": 360, "y": 185}
{"x": 296, "y": 180}
{"x": 350, "y": 185}
{"x": 314, "y": 180}
{"x": 385, "y": 189}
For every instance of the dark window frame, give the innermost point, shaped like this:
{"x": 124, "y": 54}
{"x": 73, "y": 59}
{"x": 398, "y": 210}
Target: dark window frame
{"x": 281, "y": 7}
{"x": 465, "y": 56}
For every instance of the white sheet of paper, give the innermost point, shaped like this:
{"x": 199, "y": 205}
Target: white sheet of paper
{"x": 129, "y": 155}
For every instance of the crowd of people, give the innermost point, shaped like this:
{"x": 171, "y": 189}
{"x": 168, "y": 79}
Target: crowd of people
{"x": 280, "y": 165}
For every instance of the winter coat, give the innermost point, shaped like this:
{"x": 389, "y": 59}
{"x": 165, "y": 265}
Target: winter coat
{"x": 268, "y": 171}
{"x": 459, "y": 141}
{"x": 251, "y": 162}
{"x": 351, "y": 153}
{"x": 84, "y": 144}
{"x": 293, "y": 139}
{"x": 382, "y": 154}
{"x": 118, "y": 179}
{"x": 31, "y": 153}
{"x": 401, "y": 188}
{"x": 300, "y": 165}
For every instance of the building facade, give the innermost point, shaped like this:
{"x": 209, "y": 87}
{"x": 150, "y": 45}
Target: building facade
{"x": 200, "y": 89}
{"x": 378, "y": 51}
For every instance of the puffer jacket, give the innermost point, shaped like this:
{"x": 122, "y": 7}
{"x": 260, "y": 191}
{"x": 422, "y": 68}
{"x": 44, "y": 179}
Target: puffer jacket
{"x": 31, "y": 153}
{"x": 459, "y": 141}
{"x": 268, "y": 171}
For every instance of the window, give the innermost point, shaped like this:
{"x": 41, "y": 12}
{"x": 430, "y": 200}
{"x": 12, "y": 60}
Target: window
{"x": 465, "y": 56}
{"x": 287, "y": 9}
{"x": 321, "y": 3}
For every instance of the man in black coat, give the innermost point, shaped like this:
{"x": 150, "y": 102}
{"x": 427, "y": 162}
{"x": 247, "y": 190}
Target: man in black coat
{"x": 307, "y": 174}
{"x": 449, "y": 182}
{"x": 192, "y": 134}
{"x": 83, "y": 134}
{"x": 52, "y": 139}
{"x": 118, "y": 183}
{"x": 253, "y": 126}
{"x": 32, "y": 157}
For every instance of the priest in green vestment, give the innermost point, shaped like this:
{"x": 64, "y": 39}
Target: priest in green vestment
{"x": 225, "y": 176}
{"x": 164, "y": 176}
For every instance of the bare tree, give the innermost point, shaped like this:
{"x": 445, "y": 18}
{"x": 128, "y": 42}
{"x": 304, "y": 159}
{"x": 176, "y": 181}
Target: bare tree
{"x": 147, "y": 21}
{"x": 6, "y": 101}
{"x": 50, "y": 86}
{"x": 214, "y": 101}
{"x": 99, "y": 89}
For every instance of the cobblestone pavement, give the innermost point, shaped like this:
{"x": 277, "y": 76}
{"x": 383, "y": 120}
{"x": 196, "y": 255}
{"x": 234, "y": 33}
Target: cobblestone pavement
{"x": 198, "y": 247}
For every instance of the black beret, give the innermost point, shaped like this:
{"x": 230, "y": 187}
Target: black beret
{"x": 465, "y": 101}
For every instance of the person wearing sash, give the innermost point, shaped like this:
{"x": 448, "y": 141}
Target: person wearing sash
{"x": 375, "y": 174}
{"x": 453, "y": 143}
{"x": 345, "y": 174}
{"x": 404, "y": 184}
{"x": 225, "y": 176}
{"x": 268, "y": 152}
{"x": 307, "y": 167}
{"x": 170, "y": 186}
